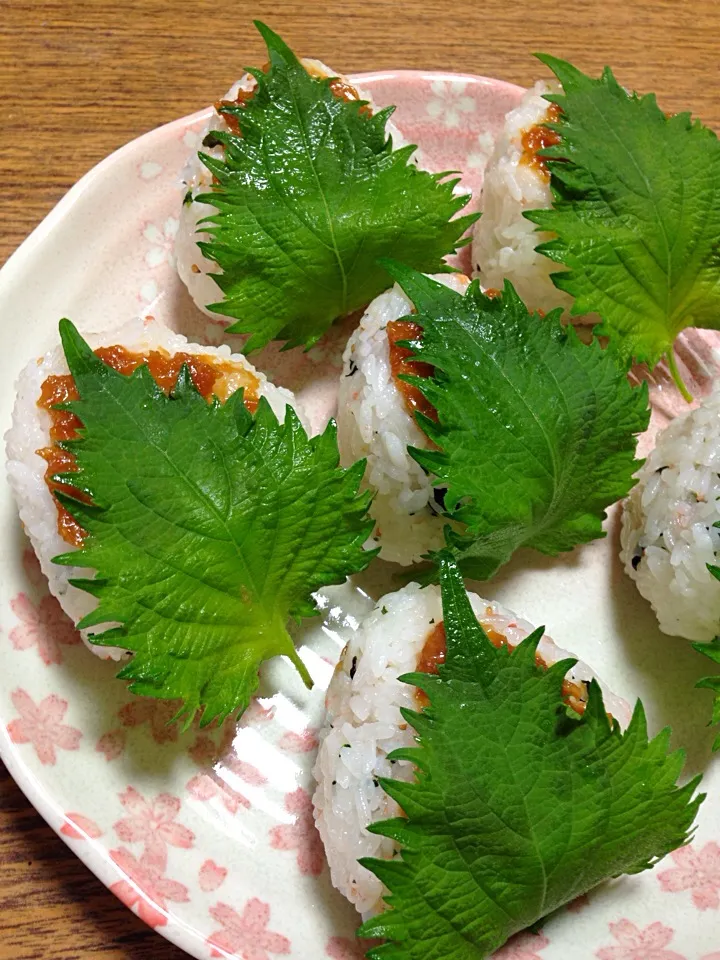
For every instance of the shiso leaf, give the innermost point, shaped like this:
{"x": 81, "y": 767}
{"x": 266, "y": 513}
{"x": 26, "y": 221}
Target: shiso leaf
{"x": 209, "y": 529}
{"x": 536, "y": 431}
{"x": 712, "y": 651}
{"x": 636, "y": 214}
{"x": 308, "y": 197}
{"x": 517, "y": 808}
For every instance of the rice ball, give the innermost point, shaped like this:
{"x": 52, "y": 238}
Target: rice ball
{"x": 32, "y": 450}
{"x": 195, "y": 270}
{"x": 363, "y": 724}
{"x": 669, "y": 531}
{"x": 517, "y": 179}
{"x": 376, "y": 421}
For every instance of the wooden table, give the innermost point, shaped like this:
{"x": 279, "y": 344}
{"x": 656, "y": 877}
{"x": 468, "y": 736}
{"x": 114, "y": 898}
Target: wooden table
{"x": 78, "y": 79}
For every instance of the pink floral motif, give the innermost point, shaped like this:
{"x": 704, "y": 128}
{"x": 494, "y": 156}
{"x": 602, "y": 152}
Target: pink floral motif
{"x": 153, "y": 823}
{"x": 711, "y": 956}
{"x": 162, "y": 242}
{"x": 696, "y": 870}
{"x": 31, "y": 565}
{"x": 304, "y": 742}
{"x": 211, "y": 876}
{"x": 205, "y": 751}
{"x": 523, "y": 946}
{"x": 245, "y": 935}
{"x": 112, "y": 744}
{"x": 41, "y": 724}
{"x": 42, "y": 625}
{"x": 636, "y": 944}
{"x": 158, "y": 713}
{"x": 246, "y": 771}
{"x": 220, "y": 756}
{"x": 146, "y": 886}
{"x": 149, "y": 169}
{"x": 257, "y": 713}
{"x": 578, "y": 904}
{"x": 343, "y": 948}
{"x": 301, "y": 835}
{"x": 79, "y": 827}
{"x": 205, "y": 786}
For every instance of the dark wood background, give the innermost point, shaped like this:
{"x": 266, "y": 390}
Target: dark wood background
{"x": 79, "y": 79}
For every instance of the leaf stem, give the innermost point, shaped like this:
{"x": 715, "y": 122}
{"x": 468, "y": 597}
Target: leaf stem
{"x": 675, "y": 374}
{"x": 300, "y": 666}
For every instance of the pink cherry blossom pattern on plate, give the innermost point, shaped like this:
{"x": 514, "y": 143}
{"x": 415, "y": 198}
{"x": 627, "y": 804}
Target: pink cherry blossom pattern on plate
{"x": 41, "y": 725}
{"x": 31, "y": 566}
{"x": 257, "y": 713}
{"x": 301, "y": 835}
{"x": 161, "y": 240}
{"x": 206, "y": 751}
{"x": 698, "y": 871}
{"x": 304, "y": 742}
{"x": 206, "y": 786}
{"x": 245, "y": 935}
{"x": 578, "y": 904}
{"x": 112, "y": 744}
{"x": 79, "y": 827}
{"x": 211, "y": 876}
{"x": 222, "y": 760}
{"x": 523, "y": 946}
{"x": 152, "y": 822}
{"x": 636, "y": 944}
{"x": 146, "y": 886}
{"x": 711, "y": 956}
{"x": 157, "y": 713}
{"x": 344, "y": 948}
{"x": 149, "y": 169}
{"x": 246, "y": 771}
{"x": 42, "y": 625}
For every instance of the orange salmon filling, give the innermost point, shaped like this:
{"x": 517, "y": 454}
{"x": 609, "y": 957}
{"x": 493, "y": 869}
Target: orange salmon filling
{"x": 434, "y": 651}
{"x": 211, "y": 376}
{"x": 402, "y": 361}
{"x": 539, "y": 137}
{"x": 339, "y": 87}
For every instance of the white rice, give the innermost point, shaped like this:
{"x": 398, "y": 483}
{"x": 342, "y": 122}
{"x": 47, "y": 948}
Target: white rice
{"x": 374, "y": 422}
{"x": 30, "y": 431}
{"x": 504, "y": 240}
{"x": 668, "y": 530}
{"x": 194, "y": 269}
{"x": 364, "y": 724}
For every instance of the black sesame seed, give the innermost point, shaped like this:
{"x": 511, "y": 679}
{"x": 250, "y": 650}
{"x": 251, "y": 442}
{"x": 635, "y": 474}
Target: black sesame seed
{"x": 353, "y": 668}
{"x": 636, "y": 561}
{"x": 353, "y": 368}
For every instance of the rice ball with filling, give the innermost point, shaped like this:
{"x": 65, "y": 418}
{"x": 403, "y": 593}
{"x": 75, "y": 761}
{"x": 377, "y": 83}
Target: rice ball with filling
{"x": 376, "y": 420}
{"x": 516, "y": 179}
{"x": 195, "y": 270}
{"x": 33, "y": 454}
{"x": 404, "y": 633}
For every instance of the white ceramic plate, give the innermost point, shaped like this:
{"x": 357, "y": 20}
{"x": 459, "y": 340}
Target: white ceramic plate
{"x": 209, "y": 837}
